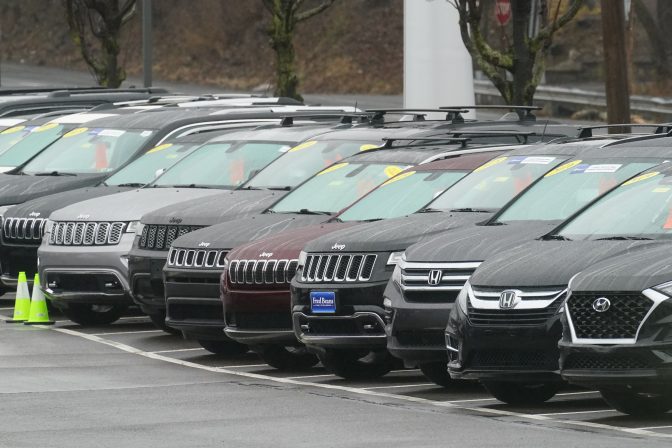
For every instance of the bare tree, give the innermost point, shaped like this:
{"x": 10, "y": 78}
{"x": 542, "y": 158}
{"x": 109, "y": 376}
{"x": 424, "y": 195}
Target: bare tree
{"x": 285, "y": 14}
{"x": 523, "y": 56}
{"x": 103, "y": 20}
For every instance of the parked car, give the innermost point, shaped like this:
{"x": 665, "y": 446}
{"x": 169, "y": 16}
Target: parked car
{"x": 431, "y": 274}
{"x": 505, "y": 328}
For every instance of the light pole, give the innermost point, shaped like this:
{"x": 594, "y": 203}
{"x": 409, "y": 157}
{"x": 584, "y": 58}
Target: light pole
{"x": 147, "y": 42}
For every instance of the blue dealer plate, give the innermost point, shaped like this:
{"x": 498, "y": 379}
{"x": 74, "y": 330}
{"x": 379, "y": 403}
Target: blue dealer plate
{"x": 323, "y": 302}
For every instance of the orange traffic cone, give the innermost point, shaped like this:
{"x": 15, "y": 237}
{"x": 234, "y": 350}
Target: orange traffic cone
{"x": 39, "y": 314}
{"x": 22, "y": 301}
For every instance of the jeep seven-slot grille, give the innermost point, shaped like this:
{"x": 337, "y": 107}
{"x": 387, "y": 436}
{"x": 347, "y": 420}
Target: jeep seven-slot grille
{"x": 23, "y": 230}
{"x": 69, "y": 233}
{"x": 620, "y": 321}
{"x": 160, "y": 237}
{"x": 196, "y": 258}
{"x": 258, "y": 272}
{"x": 338, "y": 267}
{"x": 434, "y": 282}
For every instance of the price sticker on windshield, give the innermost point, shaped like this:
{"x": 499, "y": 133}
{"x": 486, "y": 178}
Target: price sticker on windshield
{"x": 400, "y": 177}
{"x": 303, "y": 145}
{"x": 563, "y": 167}
{"x": 75, "y": 132}
{"x": 392, "y": 170}
{"x": 641, "y": 177}
{"x": 338, "y": 166}
{"x": 160, "y": 148}
{"x": 13, "y": 130}
{"x": 491, "y": 163}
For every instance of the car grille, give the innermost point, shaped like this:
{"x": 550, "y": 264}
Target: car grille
{"x": 338, "y": 267}
{"x": 550, "y": 302}
{"x": 69, "y": 233}
{"x": 581, "y": 361}
{"x": 160, "y": 237}
{"x": 514, "y": 359}
{"x": 434, "y": 282}
{"x": 620, "y": 321}
{"x": 23, "y": 230}
{"x": 196, "y": 258}
{"x": 258, "y": 272}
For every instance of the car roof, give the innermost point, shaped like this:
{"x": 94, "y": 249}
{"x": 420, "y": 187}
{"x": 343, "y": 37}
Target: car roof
{"x": 277, "y": 132}
{"x": 413, "y": 154}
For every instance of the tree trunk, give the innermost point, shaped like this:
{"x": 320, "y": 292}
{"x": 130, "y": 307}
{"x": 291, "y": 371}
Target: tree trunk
{"x": 523, "y": 59}
{"x": 615, "y": 63}
{"x": 287, "y": 81}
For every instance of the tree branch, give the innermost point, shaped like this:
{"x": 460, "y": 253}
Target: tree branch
{"x": 300, "y": 17}
{"x": 545, "y": 36}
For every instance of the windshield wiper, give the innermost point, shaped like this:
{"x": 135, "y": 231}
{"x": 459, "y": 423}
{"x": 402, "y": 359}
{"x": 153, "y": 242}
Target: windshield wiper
{"x": 250, "y": 188}
{"x": 54, "y": 173}
{"x": 191, "y": 186}
{"x": 469, "y": 210}
{"x": 305, "y": 211}
{"x": 624, "y": 238}
{"x": 556, "y": 238}
{"x": 287, "y": 188}
{"x": 128, "y": 184}
{"x": 430, "y": 210}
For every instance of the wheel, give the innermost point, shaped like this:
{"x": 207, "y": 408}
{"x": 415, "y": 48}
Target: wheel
{"x": 521, "y": 393}
{"x": 356, "y": 364}
{"x": 437, "y": 372}
{"x": 86, "y": 314}
{"x": 159, "y": 321}
{"x": 633, "y": 403}
{"x": 286, "y": 358}
{"x": 220, "y": 347}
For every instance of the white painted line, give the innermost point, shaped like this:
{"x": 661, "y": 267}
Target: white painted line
{"x": 354, "y": 390}
{"x": 566, "y": 394}
{"x": 112, "y": 333}
{"x": 400, "y": 386}
{"x": 470, "y": 401}
{"x": 581, "y": 412}
{"x": 6, "y": 308}
{"x": 178, "y": 349}
{"x": 657, "y": 427}
{"x": 310, "y": 376}
{"x": 243, "y": 366}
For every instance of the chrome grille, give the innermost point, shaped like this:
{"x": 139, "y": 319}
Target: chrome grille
{"x": 434, "y": 282}
{"x": 160, "y": 237}
{"x": 23, "y": 230}
{"x": 196, "y": 258}
{"x": 536, "y": 306}
{"x": 259, "y": 272}
{"x": 338, "y": 267}
{"x": 70, "y": 233}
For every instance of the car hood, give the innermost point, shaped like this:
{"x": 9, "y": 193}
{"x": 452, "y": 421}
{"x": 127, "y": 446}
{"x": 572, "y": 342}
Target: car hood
{"x": 16, "y": 189}
{"x": 285, "y": 245}
{"x": 43, "y": 207}
{"x": 628, "y": 272}
{"x": 129, "y": 205}
{"x": 392, "y": 234}
{"x": 549, "y": 263}
{"x": 220, "y": 207}
{"x": 477, "y": 242}
{"x": 230, "y": 234}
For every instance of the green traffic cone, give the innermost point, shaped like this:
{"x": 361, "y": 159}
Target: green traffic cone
{"x": 38, "y": 306}
{"x": 22, "y": 301}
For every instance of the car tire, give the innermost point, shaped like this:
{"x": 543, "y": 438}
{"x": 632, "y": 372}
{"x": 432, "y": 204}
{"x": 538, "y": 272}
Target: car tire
{"x": 221, "y": 347}
{"x": 286, "y": 358}
{"x": 159, "y": 321}
{"x": 437, "y": 372}
{"x": 357, "y": 365}
{"x": 88, "y": 315}
{"x": 522, "y": 393}
{"x": 633, "y": 403}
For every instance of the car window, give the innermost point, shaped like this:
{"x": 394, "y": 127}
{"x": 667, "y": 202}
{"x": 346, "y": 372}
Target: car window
{"x": 30, "y": 145}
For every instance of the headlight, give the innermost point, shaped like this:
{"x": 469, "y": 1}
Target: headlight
{"x": 134, "y": 227}
{"x": 302, "y": 259}
{"x": 396, "y": 275}
{"x": 395, "y": 258}
{"x": 665, "y": 288}
{"x": 463, "y": 298}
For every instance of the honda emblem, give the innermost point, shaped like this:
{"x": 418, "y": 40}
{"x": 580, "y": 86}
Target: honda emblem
{"x": 434, "y": 277}
{"x": 509, "y": 298}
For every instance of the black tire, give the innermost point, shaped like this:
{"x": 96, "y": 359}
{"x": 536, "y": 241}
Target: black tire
{"x": 159, "y": 321}
{"x": 286, "y": 358}
{"x": 357, "y": 365}
{"x": 522, "y": 393}
{"x": 88, "y": 315}
{"x": 633, "y": 403}
{"x": 221, "y": 347}
{"x": 438, "y": 373}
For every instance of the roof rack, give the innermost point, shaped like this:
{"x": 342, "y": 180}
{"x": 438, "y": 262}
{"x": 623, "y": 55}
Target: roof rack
{"x": 287, "y": 118}
{"x": 524, "y": 112}
{"x": 453, "y": 115}
{"x": 390, "y": 140}
{"x": 70, "y": 92}
{"x": 661, "y": 128}
{"x": 60, "y": 113}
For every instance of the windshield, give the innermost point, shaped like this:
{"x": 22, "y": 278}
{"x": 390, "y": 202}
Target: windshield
{"x": 11, "y": 136}
{"x": 85, "y": 150}
{"x": 494, "y": 183}
{"x": 564, "y": 190}
{"x": 303, "y": 161}
{"x": 639, "y": 208}
{"x": 32, "y": 143}
{"x": 336, "y": 187}
{"x": 222, "y": 164}
{"x": 151, "y": 164}
{"x": 403, "y": 194}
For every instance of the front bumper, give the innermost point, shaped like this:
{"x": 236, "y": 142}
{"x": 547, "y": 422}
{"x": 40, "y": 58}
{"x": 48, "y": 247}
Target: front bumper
{"x": 146, "y": 277}
{"x": 503, "y": 352}
{"x": 86, "y": 274}
{"x": 14, "y": 259}
{"x": 357, "y": 324}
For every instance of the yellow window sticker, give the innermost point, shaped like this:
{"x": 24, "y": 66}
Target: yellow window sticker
{"x": 368, "y": 146}
{"x": 160, "y": 148}
{"x": 46, "y": 127}
{"x": 13, "y": 130}
{"x": 303, "y": 145}
{"x": 563, "y": 167}
{"x": 501, "y": 179}
{"x": 392, "y": 170}
{"x": 493, "y": 162}
{"x": 75, "y": 132}
{"x": 641, "y": 177}
{"x": 338, "y": 166}
{"x": 399, "y": 177}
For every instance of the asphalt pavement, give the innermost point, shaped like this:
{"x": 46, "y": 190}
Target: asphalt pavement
{"x": 130, "y": 385}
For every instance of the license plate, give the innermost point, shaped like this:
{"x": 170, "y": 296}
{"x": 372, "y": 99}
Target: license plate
{"x": 323, "y": 302}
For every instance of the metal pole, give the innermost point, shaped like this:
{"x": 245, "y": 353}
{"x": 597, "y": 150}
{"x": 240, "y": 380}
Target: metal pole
{"x": 147, "y": 42}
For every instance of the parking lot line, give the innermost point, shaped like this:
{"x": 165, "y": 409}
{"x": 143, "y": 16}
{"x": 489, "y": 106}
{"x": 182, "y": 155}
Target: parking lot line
{"x": 577, "y": 393}
{"x": 127, "y": 332}
{"x": 310, "y": 376}
{"x": 243, "y": 366}
{"x": 177, "y": 349}
{"x": 470, "y": 401}
{"x": 400, "y": 386}
{"x": 656, "y": 427}
{"x": 581, "y": 412}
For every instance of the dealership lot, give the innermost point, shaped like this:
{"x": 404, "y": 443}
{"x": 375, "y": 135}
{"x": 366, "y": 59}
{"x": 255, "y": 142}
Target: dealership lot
{"x": 157, "y": 384}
